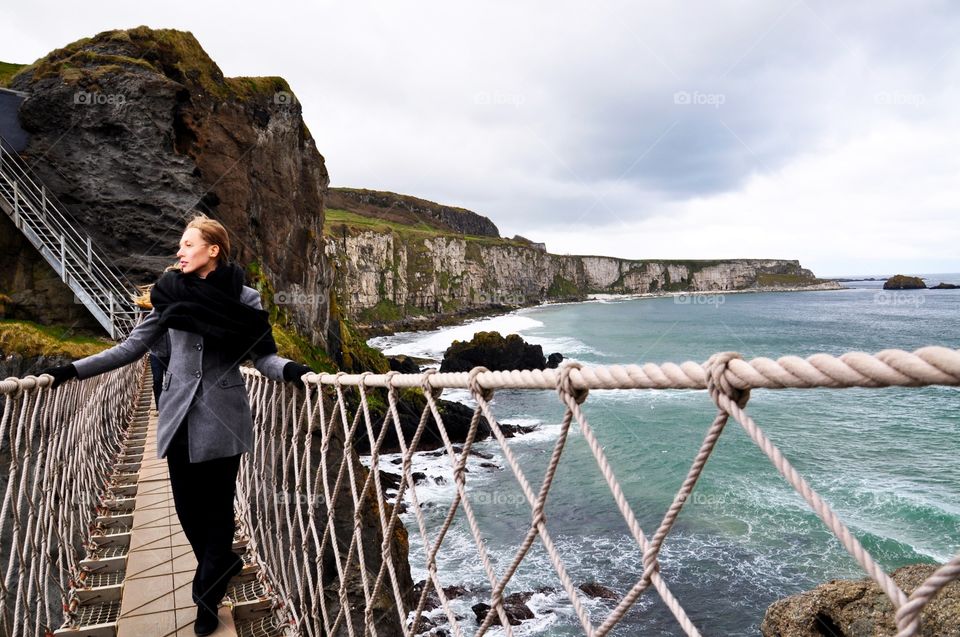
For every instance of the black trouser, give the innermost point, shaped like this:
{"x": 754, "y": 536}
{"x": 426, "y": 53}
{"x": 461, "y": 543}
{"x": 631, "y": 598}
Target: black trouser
{"x": 203, "y": 495}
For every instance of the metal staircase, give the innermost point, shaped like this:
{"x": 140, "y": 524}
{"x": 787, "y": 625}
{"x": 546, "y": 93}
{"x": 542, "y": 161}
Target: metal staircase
{"x": 70, "y": 252}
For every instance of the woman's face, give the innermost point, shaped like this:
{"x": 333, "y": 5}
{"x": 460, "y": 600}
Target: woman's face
{"x": 196, "y": 255}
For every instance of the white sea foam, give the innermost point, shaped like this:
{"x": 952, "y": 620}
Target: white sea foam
{"x": 432, "y": 344}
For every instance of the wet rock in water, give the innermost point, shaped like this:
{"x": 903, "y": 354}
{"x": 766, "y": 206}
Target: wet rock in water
{"x": 516, "y": 612}
{"x": 432, "y": 601}
{"x": 403, "y": 364}
{"x": 389, "y": 480}
{"x": 493, "y": 351}
{"x": 598, "y": 591}
{"x": 858, "y": 608}
{"x": 418, "y": 477}
{"x": 554, "y": 360}
{"x": 509, "y": 431}
{"x": 903, "y": 282}
{"x": 945, "y": 286}
{"x": 489, "y": 465}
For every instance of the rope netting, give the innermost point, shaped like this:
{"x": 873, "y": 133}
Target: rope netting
{"x": 57, "y": 451}
{"x": 335, "y": 551}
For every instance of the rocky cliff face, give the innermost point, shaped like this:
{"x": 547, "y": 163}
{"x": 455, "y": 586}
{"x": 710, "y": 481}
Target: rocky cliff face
{"x": 135, "y": 130}
{"x": 383, "y": 275}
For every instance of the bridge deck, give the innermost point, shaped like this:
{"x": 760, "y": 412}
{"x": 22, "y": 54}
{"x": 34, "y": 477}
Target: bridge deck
{"x": 160, "y": 565}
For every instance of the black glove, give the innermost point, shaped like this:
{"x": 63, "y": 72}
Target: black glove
{"x": 292, "y": 372}
{"x": 60, "y": 374}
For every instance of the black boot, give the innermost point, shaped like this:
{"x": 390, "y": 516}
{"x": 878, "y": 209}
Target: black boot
{"x": 207, "y": 620}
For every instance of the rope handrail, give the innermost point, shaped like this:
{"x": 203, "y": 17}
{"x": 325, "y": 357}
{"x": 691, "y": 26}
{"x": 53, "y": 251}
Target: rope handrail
{"x": 931, "y": 365}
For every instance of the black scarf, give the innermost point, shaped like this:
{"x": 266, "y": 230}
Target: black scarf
{"x": 212, "y": 308}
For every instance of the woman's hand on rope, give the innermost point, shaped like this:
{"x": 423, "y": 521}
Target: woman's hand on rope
{"x": 60, "y": 374}
{"x": 292, "y": 372}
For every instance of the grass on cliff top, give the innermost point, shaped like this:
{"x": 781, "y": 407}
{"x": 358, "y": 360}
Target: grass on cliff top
{"x": 7, "y": 71}
{"x": 335, "y": 220}
{"x": 175, "y": 54}
{"x": 31, "y": 339}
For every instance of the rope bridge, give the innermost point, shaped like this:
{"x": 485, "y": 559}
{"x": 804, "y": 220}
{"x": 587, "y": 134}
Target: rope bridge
{"x": 334, "y": 552}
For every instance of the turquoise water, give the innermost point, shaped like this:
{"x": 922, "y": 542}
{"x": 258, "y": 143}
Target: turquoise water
{"x": 884, "y": 459}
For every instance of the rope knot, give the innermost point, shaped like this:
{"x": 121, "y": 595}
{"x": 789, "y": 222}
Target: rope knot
{"x": 474, "y": 384}
{"x": 565, "y": 384}
{"x": 427, "y": 387}
{"x": 718, "y": 381}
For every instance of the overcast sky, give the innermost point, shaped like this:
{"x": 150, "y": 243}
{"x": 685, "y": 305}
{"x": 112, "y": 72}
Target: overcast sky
{"x": 805, "y": 129}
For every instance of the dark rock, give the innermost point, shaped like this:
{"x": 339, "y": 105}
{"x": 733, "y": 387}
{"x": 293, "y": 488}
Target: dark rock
{"x": 418, "y": 477}
{"x": 403, "y": 364}
{"x": 493, "y": 351}
{"x": 516, "y": 610}
{"x": 902, "y": 282}
{"x": 481, "y": 454}
{"x": 509, "y": 431}
{"x": 456, "y": 420}
{"x": 945, "y": 286}
{"x": 598, "y": 591}
{"x": 439, "y": 480}
{"x": 489, "y": 465}
{"x": 432, "y": 601}
{"x": 390, "y": 480}
{"x": 858, "y": 608}
{"x": 554, "y": 360}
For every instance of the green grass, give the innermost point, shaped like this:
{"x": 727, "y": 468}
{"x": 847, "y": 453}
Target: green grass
{"x": 335, "y": 220}
{"x": 784, "y": 280}
{"x": 7, "y": 71}
{"x": 31, "y": 339}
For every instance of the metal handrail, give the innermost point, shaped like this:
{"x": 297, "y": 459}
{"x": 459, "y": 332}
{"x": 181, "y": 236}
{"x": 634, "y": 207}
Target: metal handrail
{"x": 72, "y": 253}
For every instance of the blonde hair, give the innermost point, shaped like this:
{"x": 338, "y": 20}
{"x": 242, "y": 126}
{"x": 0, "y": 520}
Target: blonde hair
{"x": 212, "y": 232}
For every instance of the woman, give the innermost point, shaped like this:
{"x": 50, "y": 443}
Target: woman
{"x": 214, "y": 322}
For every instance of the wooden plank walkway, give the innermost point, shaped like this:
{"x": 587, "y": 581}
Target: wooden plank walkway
{"x": 157, "y": 598}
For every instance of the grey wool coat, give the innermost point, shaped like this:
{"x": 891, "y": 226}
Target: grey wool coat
{"x": 199, "y": 382}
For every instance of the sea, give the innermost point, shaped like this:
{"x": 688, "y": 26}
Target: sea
{"x": 886, "y": 460}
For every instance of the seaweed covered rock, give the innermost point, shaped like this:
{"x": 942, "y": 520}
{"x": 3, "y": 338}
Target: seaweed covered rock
{"x": 858, "y": 608}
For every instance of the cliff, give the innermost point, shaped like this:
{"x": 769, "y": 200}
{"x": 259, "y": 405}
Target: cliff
{"x": 389, "y": 269}
{"x": 405, "y": 209}
{"x": 135, "y": 130}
